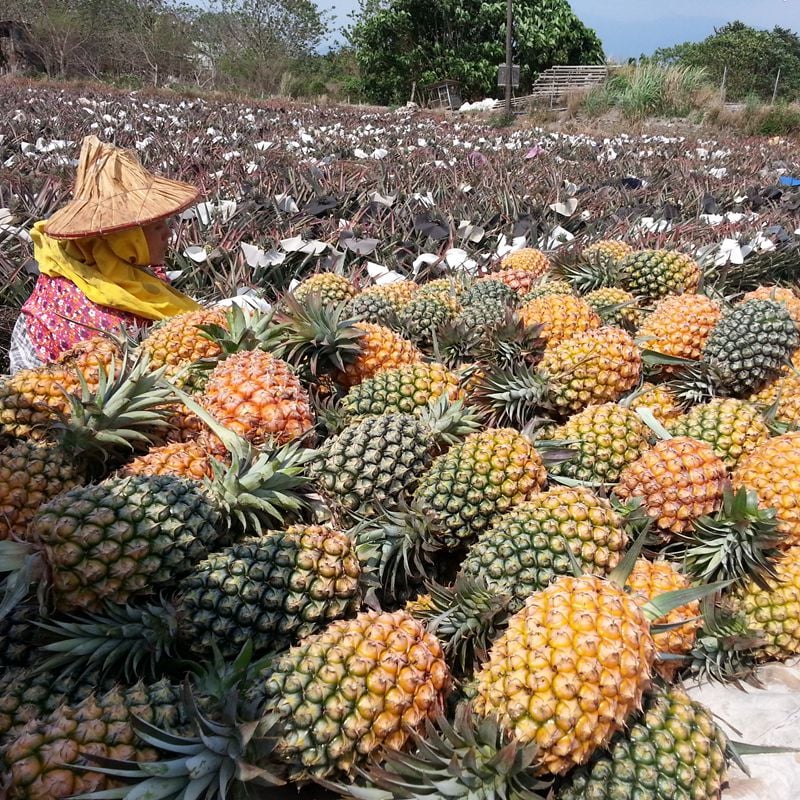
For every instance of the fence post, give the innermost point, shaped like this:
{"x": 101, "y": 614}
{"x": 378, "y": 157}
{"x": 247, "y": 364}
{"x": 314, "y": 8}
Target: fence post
{"x": 722, "y": 85}
{"x": 775, "y": 90}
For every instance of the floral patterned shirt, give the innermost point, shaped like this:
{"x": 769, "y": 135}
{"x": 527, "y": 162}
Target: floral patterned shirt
{"x": 58, "y": 315}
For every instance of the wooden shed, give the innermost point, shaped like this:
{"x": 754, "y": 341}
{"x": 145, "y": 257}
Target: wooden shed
{"x": 443, "y": 94}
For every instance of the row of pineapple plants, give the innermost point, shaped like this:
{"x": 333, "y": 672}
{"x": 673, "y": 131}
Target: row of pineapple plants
{"x": 464, "y": 537}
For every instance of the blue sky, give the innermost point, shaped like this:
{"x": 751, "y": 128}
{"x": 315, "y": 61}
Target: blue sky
{"x": 631, "y": 27}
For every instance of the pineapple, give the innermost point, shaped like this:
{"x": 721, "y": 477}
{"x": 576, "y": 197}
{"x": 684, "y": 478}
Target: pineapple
{"x": 488, "y": 289}
{"x": 680, "y": 325}
{"x": 750, "y": 345}
{"x": 648, "y": 580}
{"x": 606, "y": 250}
{"x": 560, "y": 316}
{"x": 570, "y": 669}
{"x": 259, "y": 397}
{"x": 548, "y": 288}
{"x": 772, "y": 470}
{"x": 331, "y": 288}
{"x": 181, "y": 459}
{"x": 425, "y": 314}
{"x": 380, "y": 349}
{"x": 180, "y": 341}
{"x": 607, "y": 438}
{"x": 678, "y": 480}
{"x": 781, "y": 295}
{"x": 520, "y": 280}
{"x": 19, "y": 637}
{"x": 784, "y": 394}
{"x": 657, "y": 273}
{"x": 595, "y": 366}
{"x": 672, "y": 749}
{"x": 489, "y": 472}
{"x": 615, "y": 306}
{"x": 528, "y": 259}
{"x": 487, "y": 313}
{"x": 37, "y": 762}
{"x": 264, "y": 592}
{"x": 358, "y": 689}
{"x": 377, "y": 462}
{"x": 772, "y": 611}
{"x": 732, "y": 427}
{"x": 405, "y": 390}
{"x": 525, "y": 548}
{"x": 660, "y": 399}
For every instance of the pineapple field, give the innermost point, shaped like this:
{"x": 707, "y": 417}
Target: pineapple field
{"x": 476, "y": 476}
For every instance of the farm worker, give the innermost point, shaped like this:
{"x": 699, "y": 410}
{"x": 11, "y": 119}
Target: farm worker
{"x": 101, "y": 256}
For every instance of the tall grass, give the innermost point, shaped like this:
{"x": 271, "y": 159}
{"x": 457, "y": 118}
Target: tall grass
{"x": 648, "y": 90}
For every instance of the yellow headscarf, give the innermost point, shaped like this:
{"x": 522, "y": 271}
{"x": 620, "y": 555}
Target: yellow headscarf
{"x": 105, "y": 270}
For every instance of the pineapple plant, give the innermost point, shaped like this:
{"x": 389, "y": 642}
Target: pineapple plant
{"x": 732, "y": 427}
{"x": 330, "y": 287}
{"x": 750, "y": 345}
{"x": 679, "y": 326}
{"x": 407, "y": 389}
{"x": 375, "y": 463}
{"x": 528, "y": 259}
{"x": 560, "y": 316}
{"x": 657, "y": 273}
{"x": 605, "y": 439}
{"x": 772, "y": 471}
{"x": 672, "y": 748}
{"x": 525, "y": 548}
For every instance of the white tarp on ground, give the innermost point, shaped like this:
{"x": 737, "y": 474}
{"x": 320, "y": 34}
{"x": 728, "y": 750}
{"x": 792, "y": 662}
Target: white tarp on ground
{"x": 767, "y": 716}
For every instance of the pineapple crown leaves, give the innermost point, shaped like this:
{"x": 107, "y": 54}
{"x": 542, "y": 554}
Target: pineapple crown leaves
{"x": 206, "y": 765}
{"x": 125, "y": 411}
{"x": 740, "y": 541}
{"x": 646, "y": 415}
{"x": 397, "y": 549}
{"x": 470, "y": 757}
{"x": 247, "y": 329}
{"x": 506, "y": 398}
{"x": 127, "y": 639}
{"x": 589, "y": 271}
{"x": 449, "y": 420}
{"x": 23, "y": 567}
{"x": 318, "y": 336}
{"x": 466, "y": 617}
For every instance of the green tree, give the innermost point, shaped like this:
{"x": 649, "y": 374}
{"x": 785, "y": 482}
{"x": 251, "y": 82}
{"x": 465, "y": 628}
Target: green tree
{"x": 398, "y": 42}
{"x": 752, "y": 58}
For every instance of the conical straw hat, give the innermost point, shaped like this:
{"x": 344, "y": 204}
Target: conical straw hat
{"x": 113, "y": 191}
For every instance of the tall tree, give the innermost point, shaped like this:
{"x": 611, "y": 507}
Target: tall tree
{"x": 398, "y": 42}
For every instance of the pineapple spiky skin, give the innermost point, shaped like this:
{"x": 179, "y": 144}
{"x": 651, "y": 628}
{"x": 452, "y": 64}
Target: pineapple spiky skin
{"x": 578, "y": 646}
{"x": 528, "y": 259}
{"x": 88, "y": 355}
{"x": 678, "y": 479}
{"x": 732, "y": 427}
{"x": 258, "y": 397}
{"x": 520, "y": 280}
{"x": 772, "y": 470}
{"x": 607, "y": 437}
{"x": 37, "y": 761}
{"x": 779, "y": 294}
{"x": 449, "y": 287}
{"x": 373, "y": 463}
{"x": 31, "y": 399}
{"x": 31, "y": 473}
{"x": 372, "y": 307}
{"x": 784, "y": 394}
{"x": 526, "y": 548}
{"x": 331, "y": 288}
{"x": 405, "y": 390}
{"x": 561, "y": 316}
{"x": 680, "y": 326}
{"x": 124, "y": 536}
{"x": 380, "y": 349}
{"x": 180, "y": 459}
{"x": 548, "y": 288}
{"x": 615, "y": 306}
{"x": 269, "y": 591}
{"x": 425, "y": 314}
{"x": 607, "y": 249}
{"x": 657, "y": 273}
{"x": 648, "y": 580}
{"x": 179, "y": 341}
{"x": 664, "y": 403}
{"x": 750, "y": 345}
{"x": 489, "y": 472}
{"x": 482, "y": 315}
{"x": 596, "y": 366}
{"x": 488, "y": 290}
{"x": 358, "y": 688}
{"x": 773, "y": 613}
{"x": 673, "y": 749}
